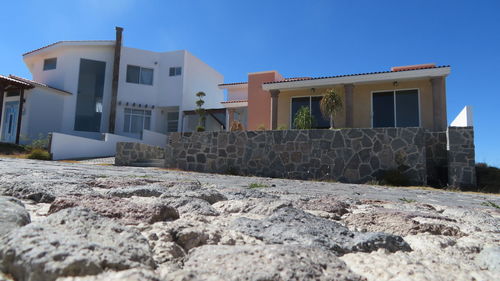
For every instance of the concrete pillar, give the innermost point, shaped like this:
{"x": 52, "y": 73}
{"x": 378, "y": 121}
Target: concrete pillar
{"x": 274, "y": 108}
{"x": 114, "y": 82}
{"x": 437, "y": 103}
{"x": 349, "y": 105}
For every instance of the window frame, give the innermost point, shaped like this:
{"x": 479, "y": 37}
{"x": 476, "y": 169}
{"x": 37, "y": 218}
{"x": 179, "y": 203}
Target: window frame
{"x": 140, "y": 75}
{"x": 175, "y": 68}
{"x": 395, "y": 105}
{"x": 310, "y": 107}
{"x": 45, "y": 63}
{"x": 144, "y": 116}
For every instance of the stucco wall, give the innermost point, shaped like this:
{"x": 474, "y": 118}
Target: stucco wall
{"x": 362, "y": 100}
{"x": 259, "y": 101}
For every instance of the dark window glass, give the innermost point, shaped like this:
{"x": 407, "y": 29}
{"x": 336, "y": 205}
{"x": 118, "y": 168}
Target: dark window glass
{"x": 383, "y": 109}
{"x": 49, "y": 64}
{"x": 172, "y": 71}
{"x": 133, "y": 73}
{"x": 407, "y": 114}
{"x": 175, "y": 71}
{"x": 319, "y": 121}
{"x": 146, "y": 76}
{"x": 178, "y": 71}
{"x": 297, "y": 103}
{"x": 90, "y": 93}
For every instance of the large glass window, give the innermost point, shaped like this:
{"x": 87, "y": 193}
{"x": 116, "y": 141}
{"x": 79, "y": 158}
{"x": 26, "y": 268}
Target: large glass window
{"x": 172, "y": 121}
{"x": 90, "y": 94}
{"x": 396, "y": 109}
{"x": 49, "y": 64}
{"x": 139, "y": 75}
{"x": 313, "y": 103}
{"x": 136, "y": 120}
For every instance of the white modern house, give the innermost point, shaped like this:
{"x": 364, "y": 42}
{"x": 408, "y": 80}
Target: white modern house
{"x": 88, "y": 88}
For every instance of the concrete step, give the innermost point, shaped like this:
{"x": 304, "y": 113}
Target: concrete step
{"x": 149, "y": 163}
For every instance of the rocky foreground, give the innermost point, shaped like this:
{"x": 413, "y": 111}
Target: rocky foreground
{"x": 69, "y": 221}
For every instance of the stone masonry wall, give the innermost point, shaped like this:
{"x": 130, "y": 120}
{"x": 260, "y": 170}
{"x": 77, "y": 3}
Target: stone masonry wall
{"x": 130, "y": 152}
{"x": 436, "y": 158}
{"x": 461, "y": 157}
{"x": 347, "y": 155}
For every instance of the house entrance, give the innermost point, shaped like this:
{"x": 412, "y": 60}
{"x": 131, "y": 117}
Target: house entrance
{"x": 9, "y": 126}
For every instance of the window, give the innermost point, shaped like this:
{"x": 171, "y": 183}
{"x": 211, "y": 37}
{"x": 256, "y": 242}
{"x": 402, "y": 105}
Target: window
{"x": 136, "y": 120}
{"x": 139, "y": 75}
{"x": 175, "y": 71}
{"x": 396, "y": 109}
{"x": 313, "y": 103}
{"x": 49, "y": 64}
{"x": 172, "y": 121}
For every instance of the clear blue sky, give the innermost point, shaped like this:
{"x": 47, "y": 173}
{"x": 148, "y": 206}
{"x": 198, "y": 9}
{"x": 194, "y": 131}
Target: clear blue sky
{"x": 297, "y": 38}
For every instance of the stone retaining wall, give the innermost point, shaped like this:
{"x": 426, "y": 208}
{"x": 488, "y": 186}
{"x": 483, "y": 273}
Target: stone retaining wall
{"x": 131, "y": 152}
{"x": 436, "y": 158}
{"x": 461, "y": 157}
{"x": 348, "y": 155}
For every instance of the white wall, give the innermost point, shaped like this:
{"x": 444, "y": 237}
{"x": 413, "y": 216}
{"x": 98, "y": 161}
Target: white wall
{"x": 238, "y": 93}
{"x": 464, "y": 118}
{"x": 43, "y": 113}
{"x": 199, "y": 76}
{"x": 66, "y": 76}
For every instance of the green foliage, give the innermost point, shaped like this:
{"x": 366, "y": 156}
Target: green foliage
{"x": 201, "y": 112}
{"x": 330, "y": 104}
{"x": 303, "y": 119}
{"x": 282, "y": 127}
{"x": 42, "y": 142}
{"x": 488, "y": 178}
{"x": 393, "y": 177}
{"x": 261, "y": 127}
{"x": 257, "y": 185}
{"x": 407, "y": 200}
{"x": 39, "y": 154}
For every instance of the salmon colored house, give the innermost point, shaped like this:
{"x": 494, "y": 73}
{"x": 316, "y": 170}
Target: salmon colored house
{"x": 407, "y": 96}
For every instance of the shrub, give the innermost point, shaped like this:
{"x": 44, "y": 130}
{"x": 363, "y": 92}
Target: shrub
{"x": 39, "y": 154}
{"x": 282, "y": 127}
{"x": 261, "y": 127}
{"x": 257, "y": 185}
{"x": 303, "y": 119}
{"x": 200, "y": 129}
{"x": 488, "y": 178}
{"x": 394, "y": 177}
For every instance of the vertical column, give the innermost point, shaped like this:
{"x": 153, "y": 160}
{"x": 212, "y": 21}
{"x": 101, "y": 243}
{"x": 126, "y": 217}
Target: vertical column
{"x": 461, "y": 157}
{"x": 114, "y": 83}
{"x": 274, "y": 108}
{"x": 437, "y": 103}
{"x": 20, "y": 115}
{"x": 349, "y": 105}
{"x": 2, "y": 92}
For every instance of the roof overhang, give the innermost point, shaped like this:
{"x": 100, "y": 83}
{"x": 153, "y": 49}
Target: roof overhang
{"x": 69, "y": 43}
{"x": 9, "y": 82}
{"x": 359, "y": 79}
{"x": 230, "y": 86}
{"x": 235, "y": 103}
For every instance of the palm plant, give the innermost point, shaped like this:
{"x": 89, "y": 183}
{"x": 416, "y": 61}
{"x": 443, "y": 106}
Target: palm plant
{"x": 201, "y": 112}
{"x": 303, "y": 119}
{"x": 330, "y": 104}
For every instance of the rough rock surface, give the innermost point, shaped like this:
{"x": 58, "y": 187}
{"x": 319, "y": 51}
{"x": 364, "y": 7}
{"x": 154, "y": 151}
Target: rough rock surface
{"x": 72, "y": 242}
{"x": 270, "y": 262}
{"x": 129, "y": 211}
{"x": 12, "y": 215}
{"x": 292, "y": 226}
{"x": 226, "y": 230}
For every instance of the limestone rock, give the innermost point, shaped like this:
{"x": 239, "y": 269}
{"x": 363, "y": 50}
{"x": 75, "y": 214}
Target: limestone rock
{"x": 136, "y": 274}
{"x": 72, "y": 242}
{"x": 12, "y": 215}
{"x": 189, "y": 205}
{"x": 490, "y": 258}
{"x": 327, "y": 204}
{"x": 255, "y": 206}
{"x": 402, "y": 222}
{"x": 246, "y": 193}
{"x": 293, "y": 226}
{"x": 268, "y": 262}
{"x": 194, "y": 190}
{"x": 112, "y": 207}
{"x": 44, "y": 191}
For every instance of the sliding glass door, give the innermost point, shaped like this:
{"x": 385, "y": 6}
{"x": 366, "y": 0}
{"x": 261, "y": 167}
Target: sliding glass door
{"x": 396, "y": 109}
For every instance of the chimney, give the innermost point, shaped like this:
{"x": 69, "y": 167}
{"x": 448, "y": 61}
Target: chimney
{"x": 116, "y": 75}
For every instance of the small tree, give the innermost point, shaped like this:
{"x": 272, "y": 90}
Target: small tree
{"x": 330, "y": 104}
{"x": 303, "y": 119}
{"x": 201, "y": 112}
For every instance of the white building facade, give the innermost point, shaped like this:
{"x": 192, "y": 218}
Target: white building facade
{"x": 156, "y": 91}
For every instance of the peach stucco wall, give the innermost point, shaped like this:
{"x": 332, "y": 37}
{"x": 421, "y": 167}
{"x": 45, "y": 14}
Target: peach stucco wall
{"x": 259, "y": 101}
{"x": 362, "y": 98}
